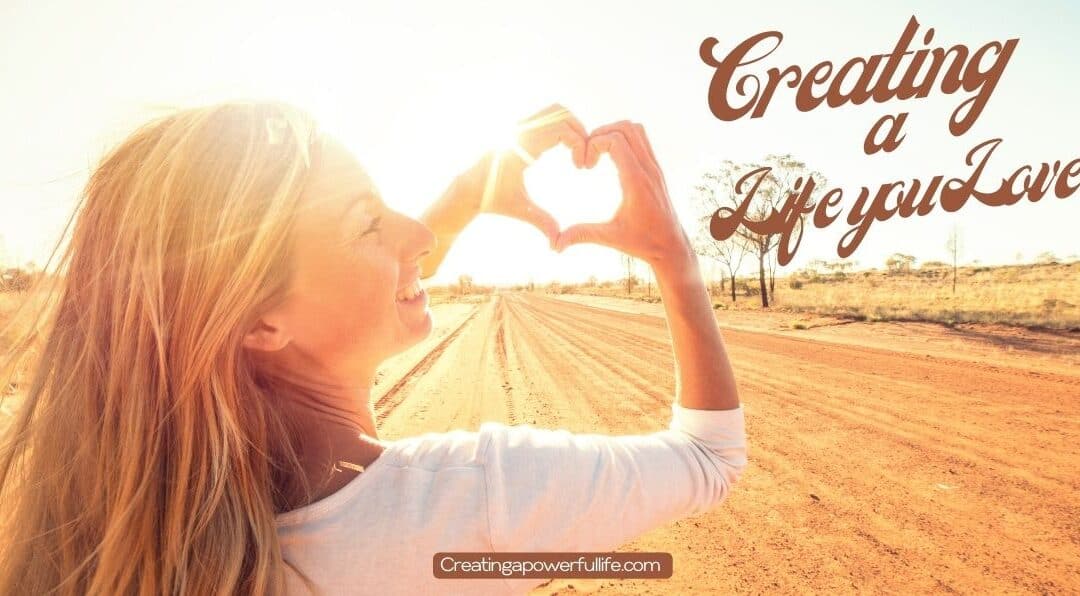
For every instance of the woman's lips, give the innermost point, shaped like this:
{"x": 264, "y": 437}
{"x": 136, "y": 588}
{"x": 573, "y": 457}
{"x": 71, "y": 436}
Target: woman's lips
{"x": 409, "y": 291}
{"x": 418, "y": 299}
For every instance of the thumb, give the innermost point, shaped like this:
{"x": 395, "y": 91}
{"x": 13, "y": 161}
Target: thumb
{"x": 596, "y": 233}
{"x": 542, "y": 220}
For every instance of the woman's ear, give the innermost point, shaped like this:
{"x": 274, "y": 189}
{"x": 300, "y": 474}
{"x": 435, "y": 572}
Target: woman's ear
{"x": 266, "y": 337}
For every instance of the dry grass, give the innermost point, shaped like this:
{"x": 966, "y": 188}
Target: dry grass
{"x": 1032, "y": 296}
{"x": 1035, "y": 296}
{"x": 13, "y": 328}
{"x": 451, "y": 295}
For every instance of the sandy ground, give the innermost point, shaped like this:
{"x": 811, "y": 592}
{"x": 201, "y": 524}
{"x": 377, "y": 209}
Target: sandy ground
{"x": 884, "y": 457}
{"x": 1047, "y": 350}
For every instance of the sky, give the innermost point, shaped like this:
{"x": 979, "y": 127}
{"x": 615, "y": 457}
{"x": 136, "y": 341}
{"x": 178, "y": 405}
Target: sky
{"x": 415, "y": 89}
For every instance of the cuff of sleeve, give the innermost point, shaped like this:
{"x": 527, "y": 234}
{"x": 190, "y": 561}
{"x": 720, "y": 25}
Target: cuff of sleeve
{"x": 720, "y": 428}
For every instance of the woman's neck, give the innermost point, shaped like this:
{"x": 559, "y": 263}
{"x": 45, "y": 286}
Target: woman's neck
{"x": 329, "y": 423}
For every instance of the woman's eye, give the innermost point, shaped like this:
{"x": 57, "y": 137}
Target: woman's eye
{"x": 373, "y": 227}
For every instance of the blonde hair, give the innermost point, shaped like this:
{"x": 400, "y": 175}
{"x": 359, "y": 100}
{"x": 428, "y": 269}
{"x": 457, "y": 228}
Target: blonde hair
{"x": 148, "y": 455}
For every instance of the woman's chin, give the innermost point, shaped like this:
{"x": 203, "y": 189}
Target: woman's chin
{"x": 426, "y": 326}
{"x": 417, "y": 325}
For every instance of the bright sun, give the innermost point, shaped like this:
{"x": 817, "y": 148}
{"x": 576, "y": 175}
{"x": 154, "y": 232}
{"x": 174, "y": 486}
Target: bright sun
{"x": 415, "y": 137}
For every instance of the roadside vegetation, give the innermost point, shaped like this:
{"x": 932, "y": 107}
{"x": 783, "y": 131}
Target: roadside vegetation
{"x": 1038, "y": 296}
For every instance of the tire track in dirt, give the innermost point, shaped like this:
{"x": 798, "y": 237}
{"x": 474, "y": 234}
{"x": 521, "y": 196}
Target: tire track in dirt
{"x": 870, "y": 469}
{"x": 906, "y": 503}
{"x": 601, "y": 356}
{"x": 393, "y": 396}
{"x": 881, "y": 433}
{"x": 875, "y": 544}
{"x": 503, "y": 358}
{"x": 467, "y": 382}
{"x": 582, "y": 380}
{"x": 911, "y": 433}
{"x": 536, "y": 371}
{"x": 955, "y": 432}
{"x": 916, "y": 367}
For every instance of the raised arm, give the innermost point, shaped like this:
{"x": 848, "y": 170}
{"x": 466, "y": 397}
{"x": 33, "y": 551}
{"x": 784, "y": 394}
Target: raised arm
{"x": 496, "y": 184}
{"x": 645, "y": 226}
{"x": 449, "y": 215}
{"x": 554, "y": 490}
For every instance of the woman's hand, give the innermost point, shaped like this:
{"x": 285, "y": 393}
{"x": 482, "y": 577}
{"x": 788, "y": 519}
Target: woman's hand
{"x": 496, "y": 183}
{"x": 645, "y": 225}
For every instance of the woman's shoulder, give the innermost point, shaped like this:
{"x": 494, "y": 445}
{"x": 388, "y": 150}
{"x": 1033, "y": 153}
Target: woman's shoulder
{"x": 449, "y": 449}
{"x": 464, "y": 448}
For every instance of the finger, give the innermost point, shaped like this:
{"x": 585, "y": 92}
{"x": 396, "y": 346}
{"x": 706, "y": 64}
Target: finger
{"x": 577, "y": 149}
{"x": 552, "y": 114}
{"x": 541, "y": 219}
{"x": 552, "y": 126}
{"x": 595, "y": 233}
{"x": 615, "y": 144}
{"x": 643, "y": 140}
{"x": 580, "y": 138}
{"x": 591, "y": 156}
{"x": 552, "y": 110}
{"x": 636, "y": 143}
{"x": 639, "y": 141}
{"x": 540, "y": 140}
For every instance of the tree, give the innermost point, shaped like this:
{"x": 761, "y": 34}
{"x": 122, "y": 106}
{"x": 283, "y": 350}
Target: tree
{"x": 771, "y": 270}
{"x": 839, "y": 269}
{"x": 729, "y": 253}
{"x": 712, "y": 287}
{"x": 14, "y": 279}
{"x": 785, "y": 176}
{"x": 814, "y": 268}
{"x": 465, "y": 284}
{"x": 1046, "y": 258}
{"x": 954, "y": 245}
{"x": 899, "y": 263}
{"x": 628, "y": 262}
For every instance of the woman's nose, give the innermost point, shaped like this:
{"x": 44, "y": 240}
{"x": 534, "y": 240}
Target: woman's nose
{"x": 417, "y": 239}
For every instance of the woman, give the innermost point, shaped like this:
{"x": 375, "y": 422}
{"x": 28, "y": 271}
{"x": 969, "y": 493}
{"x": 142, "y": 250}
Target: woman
{"x": 198, "y": 418}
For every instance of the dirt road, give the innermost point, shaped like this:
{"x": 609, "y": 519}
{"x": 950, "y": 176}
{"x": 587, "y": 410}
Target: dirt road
{"x": 871, "y": 468}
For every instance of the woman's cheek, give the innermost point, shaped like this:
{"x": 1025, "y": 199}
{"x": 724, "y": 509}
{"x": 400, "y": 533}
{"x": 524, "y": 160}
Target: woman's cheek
{"x": 373, "y": 288}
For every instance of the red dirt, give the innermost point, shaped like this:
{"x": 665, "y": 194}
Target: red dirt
{"x": 898, "y": 465}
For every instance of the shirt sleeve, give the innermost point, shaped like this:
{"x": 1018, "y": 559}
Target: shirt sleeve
{"x": 552, "y": 490}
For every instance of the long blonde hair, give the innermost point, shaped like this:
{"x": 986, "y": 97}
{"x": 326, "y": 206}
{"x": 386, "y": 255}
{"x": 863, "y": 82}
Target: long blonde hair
{"x": 147, "y": 454}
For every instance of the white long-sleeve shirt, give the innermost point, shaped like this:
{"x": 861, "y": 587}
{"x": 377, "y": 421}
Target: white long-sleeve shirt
{"x": 507, "y": 488}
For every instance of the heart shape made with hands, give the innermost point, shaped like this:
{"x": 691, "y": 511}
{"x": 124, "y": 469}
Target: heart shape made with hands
{"x": 573, "y": 195}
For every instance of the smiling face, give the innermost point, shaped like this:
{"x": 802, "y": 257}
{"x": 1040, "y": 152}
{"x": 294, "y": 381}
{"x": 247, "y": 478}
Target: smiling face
{"x": 355, "y": 297}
